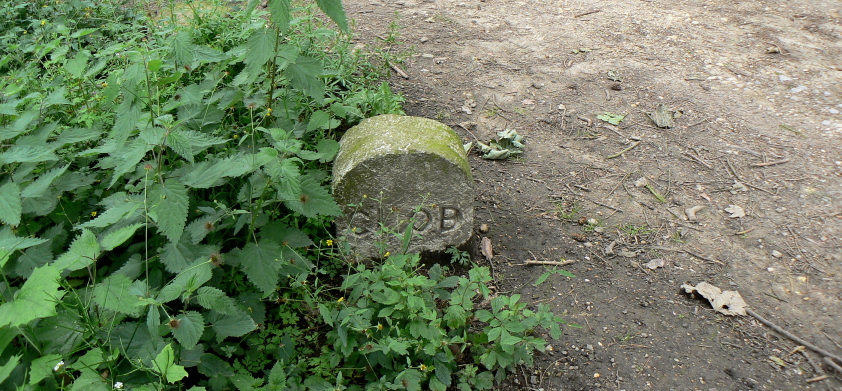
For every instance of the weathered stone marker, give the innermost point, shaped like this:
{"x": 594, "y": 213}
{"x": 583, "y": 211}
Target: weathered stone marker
{"x": 395, "y": 170}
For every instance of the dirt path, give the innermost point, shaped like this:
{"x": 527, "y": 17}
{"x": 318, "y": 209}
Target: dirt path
{"x": 758, "y": 91}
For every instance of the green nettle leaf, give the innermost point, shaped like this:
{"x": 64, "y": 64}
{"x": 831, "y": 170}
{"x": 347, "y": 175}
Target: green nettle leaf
{"x": 193, "y": 277}
{"x": 314, "y": 200}
{"x": 82, "y": 252}
{"x": 169, "y": 208}
{"x": 19, "y": 126}
{"x": 39, "y": 187}
{"x": 327, "y": 150}
{"x": 127, "y": 115}
{"x": 113, "y": 215}
{"x": 235, "y": 325}
{"x": 42, "y": 367}
{"x": 304, "y": 75}
{"x": 177, "y": 257}
{"x": 76, "y": 66}
{"x": 214, "y": 299}
{"x": 180, "y": 145}
{"x": 10, "y": 208}
{"x": 334, "y": 10}
{"x": 260, "y": 47}
{"x": 187, "y": 328}
{"x": 36, "y": 299}
{"x": 28, "y": 154}
{"x": 262, "y": 264}
{"x": 164, "y": 364}
{"x": 279, "y": 13}
{"x": 7, "y": 368}
{"x": 113, "y": 294}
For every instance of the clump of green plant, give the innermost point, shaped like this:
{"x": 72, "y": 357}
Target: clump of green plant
{"x": 567, "y": 210}
{"x": 397, "y": 328}
{"x": 166, "y": 222}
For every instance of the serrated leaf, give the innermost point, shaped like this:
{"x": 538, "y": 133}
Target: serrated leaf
{"x": 113, "y": 294}
{"x": 169, "y": 208}
{"x": 180, "y": 145}
{"x": 42, "y": 367}
{"x": 76, "y": 66}
{"x": 235, "y": 325}
{"x": 39, "y": 186}
{"x": 279, "y": 13}
{"x": 28, "y": 154}
{"x": 287, "y": 236}
{"x": 193, "y": 277}
{"x": 19, "y": 126}
{"x": 334, "y": 10}
{"x": 214, "y": 299}
{"x": 7, "y": 368}
{"x": 57, "y": 97}
{"x": 82, "y": 252}
{"x": 313, "y": 199}
{"x": 304, "y": 75}
{"x": 318, "y": 120}
{"x": 262, "y": 264}
{"x": 164, "y": 364}
{"x": 126, "y": 117}
{"x": 10, "y": 207}
{"x": 178, "y": 256}
{"x": 260, "y": 47}
{"x": 112, "y": 215}
{"x": 188, "y": 328}
{"x": 37, "y": 298}
{"x": 128, "y": 157}
{"x": 327, "y": 150}
{"x": 117, "y": 237}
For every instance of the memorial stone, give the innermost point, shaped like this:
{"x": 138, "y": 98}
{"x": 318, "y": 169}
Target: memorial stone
{"x": 395, "y": 170}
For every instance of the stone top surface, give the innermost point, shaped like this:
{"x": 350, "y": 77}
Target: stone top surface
{"x": 394, "y": 134}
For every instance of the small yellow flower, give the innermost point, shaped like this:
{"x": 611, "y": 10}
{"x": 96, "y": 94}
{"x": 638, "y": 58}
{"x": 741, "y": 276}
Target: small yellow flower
{"x": 93, "y": 214}
{"x": 341, "y": 299}
{"x": 423, "y": 368}
{"x": 365, "y": 195}
{"x": 329, "y": 242}
{"x": 43, "y": 22}
{"x": 354, "y": 229}
{"x": 25, "y": 32}
{"x": 104, "y": 84}
{"x": 387, "y": 254}
{"x": 379, "y": 326}
{"x": 236, "y": 136}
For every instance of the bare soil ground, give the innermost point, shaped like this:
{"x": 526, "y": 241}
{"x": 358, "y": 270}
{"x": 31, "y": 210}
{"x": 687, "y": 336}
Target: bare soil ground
{"x": 757, "y": 87}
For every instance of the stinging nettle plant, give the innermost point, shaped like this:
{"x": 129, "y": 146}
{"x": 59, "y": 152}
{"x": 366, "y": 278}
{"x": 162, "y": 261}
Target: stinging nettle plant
{"x": 166, "y": 222}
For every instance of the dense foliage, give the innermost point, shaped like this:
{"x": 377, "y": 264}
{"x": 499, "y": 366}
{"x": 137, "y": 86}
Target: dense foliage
{"x": 166, "y": 222}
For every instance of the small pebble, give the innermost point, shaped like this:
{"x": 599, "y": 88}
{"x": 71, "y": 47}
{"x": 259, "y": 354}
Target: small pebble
{"x": 776, "y": 254}
{"x": 483, "y": 228}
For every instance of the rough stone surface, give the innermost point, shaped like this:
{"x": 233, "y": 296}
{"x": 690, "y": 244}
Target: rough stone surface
{"x": 395, "y": 169}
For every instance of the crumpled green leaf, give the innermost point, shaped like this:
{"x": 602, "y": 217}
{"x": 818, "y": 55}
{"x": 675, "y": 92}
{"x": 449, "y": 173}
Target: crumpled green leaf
{"x": 508, "y": 144}
{"x": 611, "y": 118}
